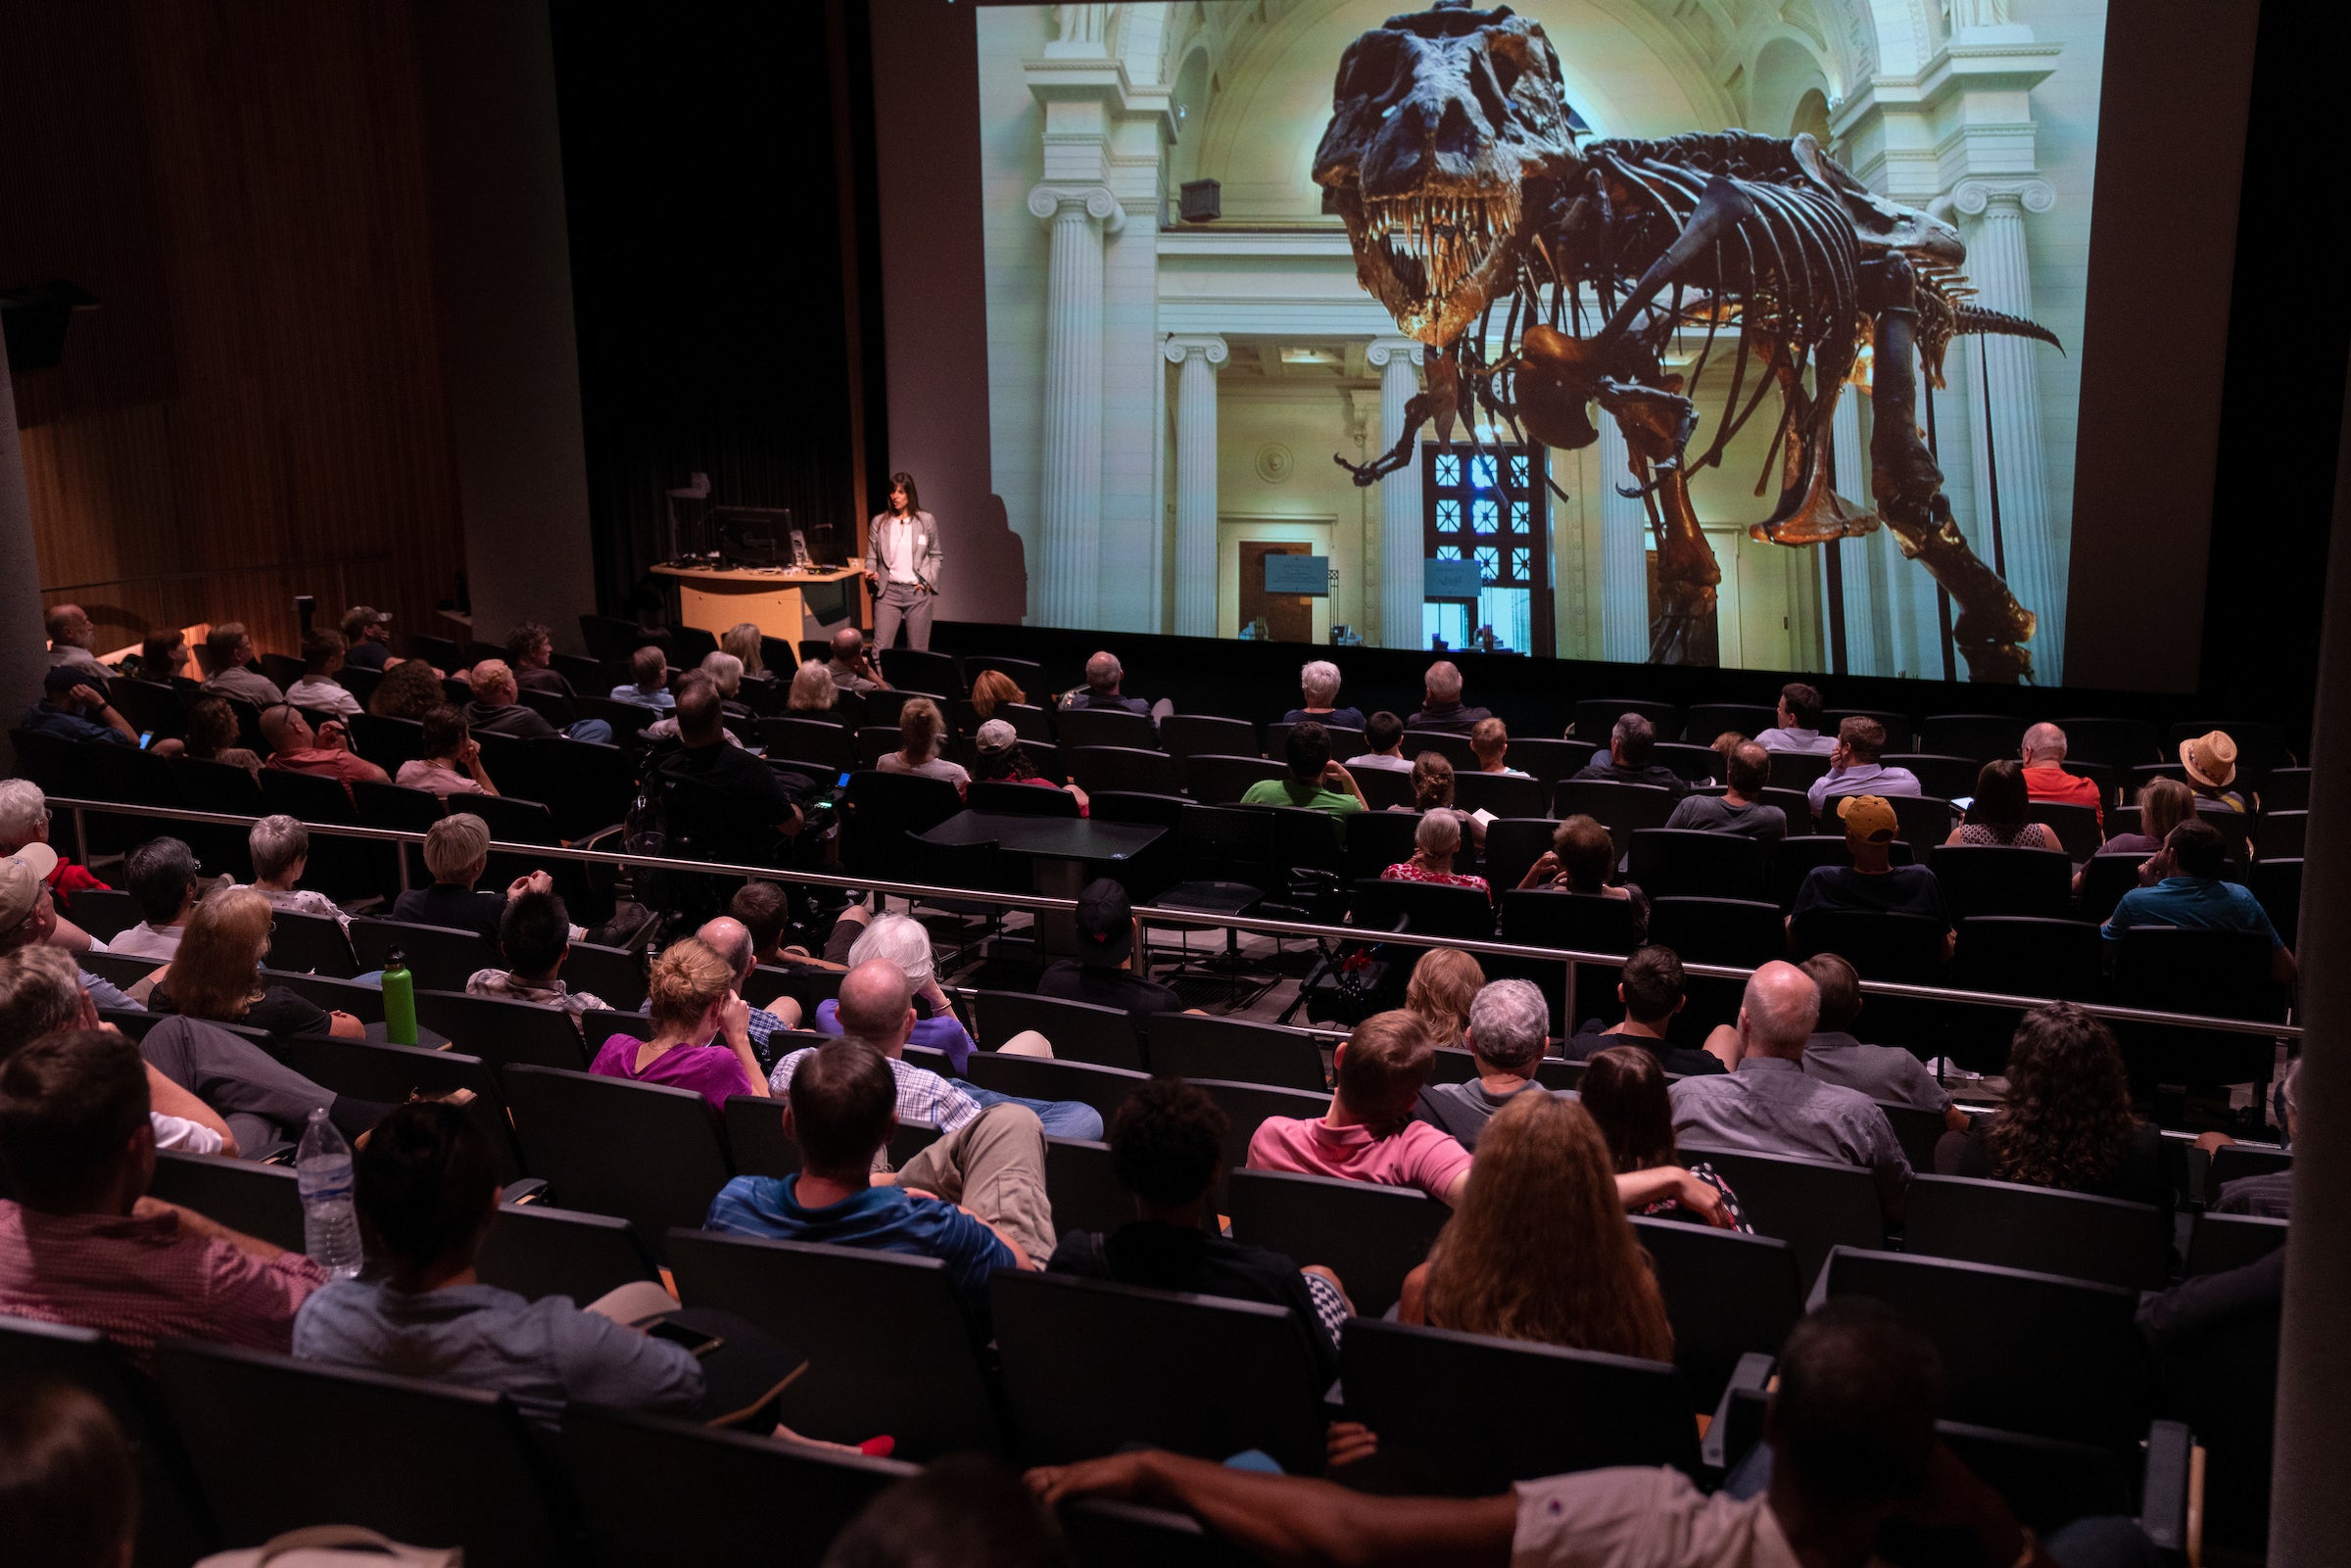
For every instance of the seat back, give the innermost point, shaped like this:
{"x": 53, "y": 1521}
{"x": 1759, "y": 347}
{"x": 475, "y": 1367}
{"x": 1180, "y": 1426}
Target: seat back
{"x": 1596, "y": 718}
{"x": 264, "y": 1201}
{"x": 1491, "y": 1411}
{"x": 652, "y": 1155}
{"x": 1081, "y": 1031}
{"x": 1091, "y": 1367}
{"x": 1135, "y": 769}
{"x": 1812, "y": 1205}
{"x": 535, "y": 1250}
{"x": 1587, "y": 922}
{"x": 2121, "y": 744}
{"x": 1019, "y": 799}
{"x": 1247, "y": 1106}
{"x": 1699, "y": 764}
{"x": 368, "y": 1070}
{"x": 439, "y": 957}
{"x": 1030, "y": 1077}
{"x": 1185, "y": 734}
{"x": 1454, "y": 748}
{"x": 1919, "y": 820}
{"x": 106, "y": 913}
{"x": 1706, "y": 720}
{"x": 1881, "y": 946}
{"x": 1220, "y": 779}
{"x": 2280, "y": 835}
{"x": 1979, "y": 737}
{"x": 2025, "y": 956}
{"x": 1084, "y": 1188}
{"x": 1369, "y": 1236}
{"x": 1104, "y": 727}
{"x": 1727, "y": 1295}
{"x": 2075, "y": 825}
{"x": 1193, "y": 1045}
{"x": 1667, "y": 863}
{"x": 500, "y": 1032}
{"x": 1512, "y": 847}
{"x": 920, "y": 669}
{"x": 818, "y": 741}
{"x": 1794, "y": 770}
{"x": 1718, "y": 931}
{"x": 1500, "y": 793}
{"x": 2232, "y": 1162}
{"x": 1546, "y": 760}
{"x": 2105, "y": 878}
{"x": 310, "y": 797}
{"x": 450, "y": 1465}
{"x": 897, "y": 1350}
{"x": 1227, "y": 844}
{"x": 2212, "y": 973}
{"x": 1996, "y": 880}
{"x": 880, "y": 809}
{"x": 2232, "y": 1241}
{"x": 1426, "y": 909}
{"x": 2049, "y": 1232}
{"x": 1944, "y": 778}
{"x": 1379, "y": 840}
{"x": 612, "y": 975}
{"x": 1621, "y": 808}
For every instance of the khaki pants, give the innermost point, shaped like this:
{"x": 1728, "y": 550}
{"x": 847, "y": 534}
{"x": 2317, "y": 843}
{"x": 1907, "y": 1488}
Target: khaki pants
{"x": 994, "y": 1165}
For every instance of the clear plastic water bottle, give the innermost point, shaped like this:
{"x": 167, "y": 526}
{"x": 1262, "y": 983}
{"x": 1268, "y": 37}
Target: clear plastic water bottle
{"x": 330, "y": 1224}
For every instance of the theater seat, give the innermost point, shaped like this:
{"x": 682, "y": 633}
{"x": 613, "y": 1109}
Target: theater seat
{"x": 652, "y": 1155}
{"x": 533, "y": 1249}
{"x": 1370, "y": 1236}
{"x": 2069, "y": 1233}
{"x": 1727, "y": 1295}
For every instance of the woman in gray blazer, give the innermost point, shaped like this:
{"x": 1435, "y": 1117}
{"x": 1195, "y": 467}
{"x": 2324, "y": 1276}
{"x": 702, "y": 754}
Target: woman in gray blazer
{"x": 902, "y": 563}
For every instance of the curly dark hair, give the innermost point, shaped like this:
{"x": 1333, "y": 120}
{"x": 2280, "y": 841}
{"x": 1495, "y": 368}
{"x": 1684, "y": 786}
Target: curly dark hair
{"x": 2067, "y": 1122}
{"x": 1167, "y": 1142}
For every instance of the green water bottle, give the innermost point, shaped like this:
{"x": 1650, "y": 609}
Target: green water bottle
{"x": 400, "y": 1000}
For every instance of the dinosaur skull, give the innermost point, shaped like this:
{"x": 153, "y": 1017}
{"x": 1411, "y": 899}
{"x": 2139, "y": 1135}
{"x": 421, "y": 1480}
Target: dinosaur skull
{"x": 1438, "y": 121}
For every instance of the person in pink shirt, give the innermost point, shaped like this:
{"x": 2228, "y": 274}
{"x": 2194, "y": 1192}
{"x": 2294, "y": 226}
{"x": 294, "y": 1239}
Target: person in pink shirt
{"x": 701, "y": 1039}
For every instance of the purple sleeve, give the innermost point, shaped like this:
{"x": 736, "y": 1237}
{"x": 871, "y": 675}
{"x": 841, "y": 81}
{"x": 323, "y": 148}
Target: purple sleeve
{"x": 942, "y": 1034}
{"x": 712, "y": 1072}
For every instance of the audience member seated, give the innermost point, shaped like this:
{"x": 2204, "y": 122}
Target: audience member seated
{"x": 162, "y": 874}
{"x": 1855, "y": 769}
{"x": 1002, "y": 761}
{"x": 1768, "y": 1104}
{"x": 69, "y": 1484}
{"x": 1383, "y": 732}
{"x": 2163, "y": 804}
{"x": 325, "y": 753}
{"x": 902, "y": 942}
{"x": 1998, "y": 815}
{"x": 840, "y": 1113}
{"x": 410, "y": 689}
{"x": 1654, "y": 990}
{"x": 41, "y": 993}
{"x": 322, "y": 659}
{"x": 1873, "y": 882}
{"x": 742, "y": 642}
{"x": 1631, "y": 744}
{"x": 456, "y": 851}
{"x": 747, "y": 786}
{"x": 71, "y": 638}
{"x": 1582, "y": 859}
{"x": 991, "y": 690}
{"x": 162, "y": 657}
{"x": 535, "y": 933}
{"x": 725, "y": 672}
{"x": 701, "y": 1037}
{"x": 1740, "y": 809}
{"x": 1433, "y": 792}
{"x": 1510, "y": 1024}
{"x": 73, "y": 709}
{"x": 1443, "y": 985}
{"x": 81, "y": 1244}
{"x": 923, "y": 731}
{"x": 281, "y": 849}
{"x": 367, "y": 639}
{"x": 1315, "y": 783}
{"x": 24, "y": 821}
{"x": 2210, "y": 762}
{"x": 1104, "y": 972}
{"x": 451, "y": 764}
{"x": 1167, "y": 1145}
{"x": 227, "y": 650}
{"x": 2066, "y": 1122}
{"x": 1369, "y": 1133}
{"x": 497, "y": 708}
{"x": 531, "y": 655}
{"x": 427, "y": 1194}
{"x": 1624, "y": 1092}
{"x": 213, "y": 975}
{"x": 812, "y": 694}
{"x": 764, "y": 910}
{"x": 1539, "y": 1248}
{"x": 1884, "y": 1072}
{"x": 734, "y": 941}
{"x": 1435, "y": 843}
{"x": 28, "y": 918}
{"x": 1490, "y": 741}
{"x": 2045, "y": 777}
{"x": 1441, "y": 707}
{"x": 648, "y": 683}
{"x": 2183, "y": 887}
{"x": 1799, "y": 728}
{"x": 1319, "y": 685}
{"x": 851, "y": 666}
{"x": 1849, "y": 1444}
{"x": 1103, "y": 676}
{"x": 213, "y": 736}
{"x": 2270, "y": 1195}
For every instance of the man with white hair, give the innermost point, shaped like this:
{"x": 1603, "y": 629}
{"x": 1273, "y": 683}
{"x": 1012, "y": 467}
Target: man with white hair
{"x": 1770, "y": 1105}
{"x": 24, "y": 820}
{"x": 1441, "y": 705}
{"x": 1318, "y": 684}
{"x": 70, "y": 638}
{"x": 1508, "y": 1025}
{"x": 1103, "y": 675}
{"x": 2045, "y": 777}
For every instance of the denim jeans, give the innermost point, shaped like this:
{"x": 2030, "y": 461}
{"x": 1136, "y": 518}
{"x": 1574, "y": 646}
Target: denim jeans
{"x": 595, "y": 729}
{"x": 1063, "y": 1119}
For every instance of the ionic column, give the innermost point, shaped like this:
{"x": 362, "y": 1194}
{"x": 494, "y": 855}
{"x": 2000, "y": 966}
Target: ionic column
{"x": 1195, "y": 562}
{"x": 1403, "y": 547}
{"x": 2007, "y": 434}
{"x": 1623, "y": 552}
{"x": 1070, "y": 473}
{"x": 24, "y": 656}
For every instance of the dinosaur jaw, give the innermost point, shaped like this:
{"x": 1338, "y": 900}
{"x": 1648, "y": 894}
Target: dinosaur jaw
{"x": 1433, "y": 258}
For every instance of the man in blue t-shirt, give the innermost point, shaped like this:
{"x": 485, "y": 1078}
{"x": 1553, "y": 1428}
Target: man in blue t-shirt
{"x": 842, "y": 1110}
{"x": 2185, "y": 888}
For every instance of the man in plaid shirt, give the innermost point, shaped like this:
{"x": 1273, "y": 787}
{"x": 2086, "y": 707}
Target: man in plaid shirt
{"x": 536, "y": 933}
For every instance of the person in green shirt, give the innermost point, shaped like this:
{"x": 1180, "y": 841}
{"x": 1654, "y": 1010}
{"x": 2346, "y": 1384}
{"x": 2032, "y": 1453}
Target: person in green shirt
{"x": 1315, "y": 782}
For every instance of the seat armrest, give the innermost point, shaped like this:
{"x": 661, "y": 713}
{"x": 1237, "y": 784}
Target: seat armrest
{"x": 1738, "y": 1423}
{"x": 2171, "y": 1490}
{"x": 280, "y": 1152}
{"x": 528, "y": 1190}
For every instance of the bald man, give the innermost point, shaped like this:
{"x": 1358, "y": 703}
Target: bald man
{"x": 731, "y": 939}
{"x": 71, "y": 636}
{"x": 1768, "y": 1105}
{"x": 850, "y": 667}
{"x": 1104, "y": 674}
{"x": 2045, "y": 777}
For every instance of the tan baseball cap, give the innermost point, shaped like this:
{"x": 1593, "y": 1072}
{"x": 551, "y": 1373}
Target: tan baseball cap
{"x": 1868, "y": 816}
{"x": 21, "y": 876}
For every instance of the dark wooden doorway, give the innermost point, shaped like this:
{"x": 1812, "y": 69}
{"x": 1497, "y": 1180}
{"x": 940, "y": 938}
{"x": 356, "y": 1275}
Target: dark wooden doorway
{"x": 1289, "y": 617}
{"x": 1489, "y": 505}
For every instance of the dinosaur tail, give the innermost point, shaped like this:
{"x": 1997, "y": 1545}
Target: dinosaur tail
{"x": 1975, "y": 319}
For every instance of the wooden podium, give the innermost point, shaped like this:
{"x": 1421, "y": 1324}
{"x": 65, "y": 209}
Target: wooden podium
{"x": 770, "y": 598}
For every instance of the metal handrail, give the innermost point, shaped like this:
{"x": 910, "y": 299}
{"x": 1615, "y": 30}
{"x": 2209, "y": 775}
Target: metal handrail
{"x": 1156, "y": 916}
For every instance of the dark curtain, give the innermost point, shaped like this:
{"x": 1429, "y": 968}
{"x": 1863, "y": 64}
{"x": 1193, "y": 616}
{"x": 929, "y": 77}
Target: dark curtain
{"x": 706, "y": 265}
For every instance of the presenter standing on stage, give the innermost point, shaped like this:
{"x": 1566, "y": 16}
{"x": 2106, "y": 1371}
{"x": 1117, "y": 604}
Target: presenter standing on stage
{"x": 901, "y": 566}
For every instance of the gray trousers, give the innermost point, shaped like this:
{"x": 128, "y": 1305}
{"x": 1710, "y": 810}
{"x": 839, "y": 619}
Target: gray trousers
{"x": 262, "y": 1099}
{"x": 903, "y": 602}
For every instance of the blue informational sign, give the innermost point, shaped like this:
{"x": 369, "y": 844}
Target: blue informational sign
{"x": 1452, "y": 580}
{"x": 1298, "y": 574}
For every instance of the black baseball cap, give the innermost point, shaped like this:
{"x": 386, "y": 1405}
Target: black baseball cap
{"x": 1105, "y": 924}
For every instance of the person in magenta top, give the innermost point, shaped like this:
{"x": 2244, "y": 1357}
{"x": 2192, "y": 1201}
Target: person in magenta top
{"x": 701, "y": 1038}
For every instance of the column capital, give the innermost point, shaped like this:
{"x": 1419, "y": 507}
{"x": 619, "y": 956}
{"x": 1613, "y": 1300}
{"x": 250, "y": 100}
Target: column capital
{"x": 1208, "y": 348}
{"x": 1048, "y": 202}
{"x": 1410, "y": 350}
{"x": 1977, "y": 196}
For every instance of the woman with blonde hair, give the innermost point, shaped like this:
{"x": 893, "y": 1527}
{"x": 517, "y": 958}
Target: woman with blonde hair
{"x": 1539, "y": 1248}
{"x": 214, "y": 974}
{"x": 990, "y": 690}
{"x": 922, "y": 730}
{"x": 814, "y": 694}
{"x": 701, "y": 1039}
{"x": 742, "y": 641}
{"x": 2163, "y": 805}
{"x": 1444, "y": 983}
